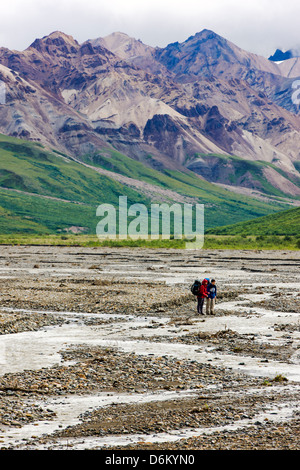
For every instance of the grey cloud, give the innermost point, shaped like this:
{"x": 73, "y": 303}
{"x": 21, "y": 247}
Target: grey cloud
{"x": 260, "y": 26}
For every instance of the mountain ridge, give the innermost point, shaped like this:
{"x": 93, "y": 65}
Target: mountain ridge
{"x": 81, "y": 98}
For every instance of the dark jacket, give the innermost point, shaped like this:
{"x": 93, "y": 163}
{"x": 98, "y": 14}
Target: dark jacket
{"x": 212, "y": 291}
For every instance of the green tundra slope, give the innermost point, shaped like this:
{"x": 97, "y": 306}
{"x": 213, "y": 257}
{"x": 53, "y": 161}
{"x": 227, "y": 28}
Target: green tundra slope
{"x": 285, "y": 223}
{"x": 44, "y": 192}
{"x": 41, "y": 192}
{"x": 221, "y": 205}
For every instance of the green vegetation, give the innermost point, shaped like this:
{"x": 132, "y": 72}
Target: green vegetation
{"x": 27, "y": 167}
{"x": 86, "y": 241}
{"x": 212, "y": 242}
{"x": 45, "y": 193}
{"x": 279, "y": 378}
{"x": 297, "y": 165}
{"x": 22, "y": 213}
{"x": 241, "y": 169}
{"x": 240, "y": 242}
{"x": 283, "y": 223}
{"x": 221, "y": 205}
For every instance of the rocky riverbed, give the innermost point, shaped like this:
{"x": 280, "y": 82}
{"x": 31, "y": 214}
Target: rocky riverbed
{"x": 103, "y": 349}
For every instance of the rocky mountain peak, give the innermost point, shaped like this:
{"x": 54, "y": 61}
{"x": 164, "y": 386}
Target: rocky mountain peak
{"x": 204, "y": 34}
{"x": 280, "y": 56}
{"x": 56, "y": 42}
{"x": 123, "y": 46}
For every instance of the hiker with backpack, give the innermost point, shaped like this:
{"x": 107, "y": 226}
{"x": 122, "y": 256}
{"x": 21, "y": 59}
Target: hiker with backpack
{"x": 205, "y": 290}
{"x": 201, "y": 296}
{"x": 211, "y": 298}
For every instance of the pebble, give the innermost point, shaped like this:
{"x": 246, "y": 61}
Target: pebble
{"x": 92, "y": 288}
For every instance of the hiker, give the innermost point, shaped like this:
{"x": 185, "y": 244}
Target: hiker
{"x": 211, "y": 298}
{"x": 202, "y": 295}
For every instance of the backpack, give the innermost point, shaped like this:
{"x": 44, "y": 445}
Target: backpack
{"x": 195, "y": 287}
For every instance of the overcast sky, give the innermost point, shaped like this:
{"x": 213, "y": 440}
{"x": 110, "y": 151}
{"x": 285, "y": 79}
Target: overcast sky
{"x": 259, "y": 26}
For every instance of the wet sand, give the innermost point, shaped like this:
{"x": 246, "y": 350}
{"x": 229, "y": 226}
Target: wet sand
{"x": 103, "y": 349}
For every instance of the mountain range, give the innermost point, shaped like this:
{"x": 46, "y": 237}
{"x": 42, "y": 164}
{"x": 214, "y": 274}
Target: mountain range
{"x": 204, "y": 108}
{"x": 280, "y": 55}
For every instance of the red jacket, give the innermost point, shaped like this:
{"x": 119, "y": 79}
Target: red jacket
{"x": 203, "y": 289}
